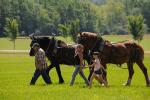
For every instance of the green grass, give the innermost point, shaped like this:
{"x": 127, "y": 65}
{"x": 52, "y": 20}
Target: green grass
{"x": 23, "y": 43}
{"x": 17, "y": 69}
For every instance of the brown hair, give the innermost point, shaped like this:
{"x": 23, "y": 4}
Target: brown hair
{"x": 80, "y": 46}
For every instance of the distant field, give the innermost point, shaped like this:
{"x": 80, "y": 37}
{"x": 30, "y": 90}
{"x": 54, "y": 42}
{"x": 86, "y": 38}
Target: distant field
{"x": 23, "y": 43}
{"x": 16, "y": 70}
{"x": 145, "y": 43}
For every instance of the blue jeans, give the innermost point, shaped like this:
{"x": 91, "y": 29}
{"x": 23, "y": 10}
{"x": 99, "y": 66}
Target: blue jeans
{"x": 76, "y": 71}
{"x": 36, "y": 75}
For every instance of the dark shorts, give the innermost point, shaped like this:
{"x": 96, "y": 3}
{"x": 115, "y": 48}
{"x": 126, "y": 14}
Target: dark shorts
{"x": 98, "y": 71}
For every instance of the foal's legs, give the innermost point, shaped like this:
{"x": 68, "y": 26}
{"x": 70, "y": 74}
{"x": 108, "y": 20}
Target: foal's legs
{"x": 144, "y": 70}
{"x": 131, "y": 72}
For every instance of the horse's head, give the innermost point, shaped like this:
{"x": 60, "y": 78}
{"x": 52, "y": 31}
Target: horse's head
{"x": 43, "y": 41}
{"x": 46, "y": 43}
{"x": 88, "y": 39}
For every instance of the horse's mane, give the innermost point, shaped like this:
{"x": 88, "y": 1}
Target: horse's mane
{"x": 88, "y": 34}
{"x": 46, "y": 38}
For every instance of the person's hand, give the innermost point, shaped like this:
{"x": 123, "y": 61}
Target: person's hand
{"x": 80, "y": 68}
{"x": 40, "y": 68}
{"x": 83, "y": 67}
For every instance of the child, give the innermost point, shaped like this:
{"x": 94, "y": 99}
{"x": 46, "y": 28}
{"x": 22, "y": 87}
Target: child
{"x": 97, "y": 74}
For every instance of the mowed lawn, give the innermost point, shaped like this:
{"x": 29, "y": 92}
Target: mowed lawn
{"x": 17, "y": 69}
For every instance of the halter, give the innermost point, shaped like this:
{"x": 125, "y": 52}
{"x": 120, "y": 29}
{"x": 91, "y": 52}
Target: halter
{"x": 101, "y": 45}
{"x": 48, "y": 47}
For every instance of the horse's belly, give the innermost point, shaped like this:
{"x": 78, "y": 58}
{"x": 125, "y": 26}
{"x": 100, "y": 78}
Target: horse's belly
{"x": 67, "y": 60}
{"x": 119, "y": 60}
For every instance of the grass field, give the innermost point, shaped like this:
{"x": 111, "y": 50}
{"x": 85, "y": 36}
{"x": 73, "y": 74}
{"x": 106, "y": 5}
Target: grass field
{"x": 16, "y": 70}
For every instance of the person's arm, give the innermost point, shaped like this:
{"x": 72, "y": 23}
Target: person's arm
{"x": 75, "y": 51}
{"x": 81, "y": 59}
{"x": 91, "y": 65}
{"x": 94, "y": 61}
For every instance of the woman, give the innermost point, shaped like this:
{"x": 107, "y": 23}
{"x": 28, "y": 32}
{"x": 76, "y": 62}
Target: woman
{"x": 78, "y": 64}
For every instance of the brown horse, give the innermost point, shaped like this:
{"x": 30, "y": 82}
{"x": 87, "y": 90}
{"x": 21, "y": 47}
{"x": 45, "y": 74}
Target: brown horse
{"x": 115, "y": 53}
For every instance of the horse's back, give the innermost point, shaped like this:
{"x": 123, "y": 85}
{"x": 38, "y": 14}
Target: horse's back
{"x": 122, "y": 52}
{"x": 65, "y": 55}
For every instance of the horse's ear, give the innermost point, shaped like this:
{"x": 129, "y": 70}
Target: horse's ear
{"x": 32, "y": 37}
{"x": 53, "y": 34}
{"x": 79, "y": 34}
{"x": 101, "y": 34}
{"x": 53, "y": 38}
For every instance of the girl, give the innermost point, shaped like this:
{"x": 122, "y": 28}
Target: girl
{"x": 78, "y": 64}
{"x": 97, "y": 74}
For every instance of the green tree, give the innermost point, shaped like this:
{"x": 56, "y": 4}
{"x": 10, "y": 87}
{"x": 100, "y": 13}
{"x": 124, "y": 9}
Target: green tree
{"x": 136, "y": 27}
{"x": 74, "y": 29}
{"x": 63, "y": 29}
{"x": 11, "y": 29}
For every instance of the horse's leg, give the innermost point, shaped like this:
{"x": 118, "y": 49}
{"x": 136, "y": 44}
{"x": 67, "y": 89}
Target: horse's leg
{"x": 131, "y": 72}
{"x": 144, "y": 70}
{"x": 59, "y": 74}
{"x": 48, "y": 69}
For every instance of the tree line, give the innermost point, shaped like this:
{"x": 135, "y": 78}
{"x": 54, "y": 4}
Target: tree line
{"x": 67, "y": 17}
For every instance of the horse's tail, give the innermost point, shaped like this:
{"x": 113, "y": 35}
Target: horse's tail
{"x": 137, "y": 53}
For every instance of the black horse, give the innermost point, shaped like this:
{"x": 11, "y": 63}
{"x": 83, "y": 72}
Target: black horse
{"x": 56, "y": 51}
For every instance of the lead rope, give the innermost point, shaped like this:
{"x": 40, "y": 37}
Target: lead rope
{"x": 47, "y": 48}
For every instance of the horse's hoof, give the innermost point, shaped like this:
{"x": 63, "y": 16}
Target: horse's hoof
{"x": 126, "y": 84}
{"x": 148, "y": 85}
{"x": 61, "y": 82}
{"x": 49, "y": 83}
